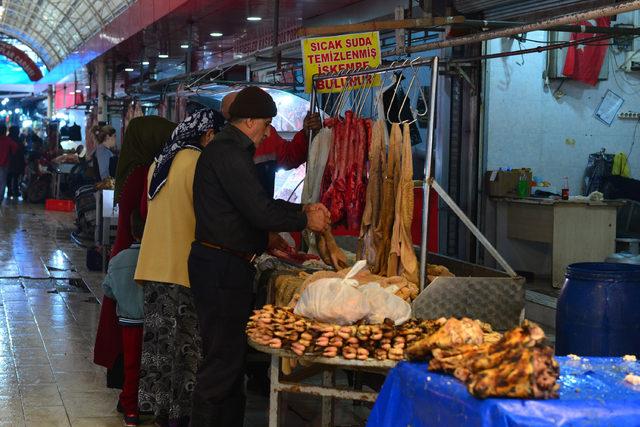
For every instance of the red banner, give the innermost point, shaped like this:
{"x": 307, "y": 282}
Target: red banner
{"x": 22, "y": 59}
{"x": 66, "y": 96}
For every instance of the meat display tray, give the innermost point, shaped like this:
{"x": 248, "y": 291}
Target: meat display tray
{"x": 369, "y": 364}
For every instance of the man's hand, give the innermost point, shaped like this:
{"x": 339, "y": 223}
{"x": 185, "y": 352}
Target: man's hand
{"x": 312, "y": 122}
{"x": 277, "y": 242}
{"x": 317, "y": 207}
{"x": 317, "y": 220}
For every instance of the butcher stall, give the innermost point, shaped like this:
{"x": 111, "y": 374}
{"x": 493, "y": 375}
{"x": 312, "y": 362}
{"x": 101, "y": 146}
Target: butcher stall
{"x": 366, "y": 296}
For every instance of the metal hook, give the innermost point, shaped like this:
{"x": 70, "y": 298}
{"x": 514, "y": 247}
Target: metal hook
{"x": 424, "y": 99}
{"x": 338, "y": 101}
{"x": 367, "y": 90}
{"x": 337, "y": 106}
{"x": 347, "y": 91}
{"x": 413, "y": 79}
{"x": 361, "y": 96}
{"x": 395, "y": 91}
{"x": 383, "y": 82}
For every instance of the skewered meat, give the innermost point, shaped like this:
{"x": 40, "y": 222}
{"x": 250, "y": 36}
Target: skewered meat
{"x": 402, "y": 256}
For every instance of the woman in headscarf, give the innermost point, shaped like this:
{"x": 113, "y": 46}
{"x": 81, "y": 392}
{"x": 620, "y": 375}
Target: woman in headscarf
{"x": 144, "y": 139}
{"x": 171, "y": 347}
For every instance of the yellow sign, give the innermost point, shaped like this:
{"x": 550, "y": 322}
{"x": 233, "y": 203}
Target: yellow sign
{"x": 325, "y": 55}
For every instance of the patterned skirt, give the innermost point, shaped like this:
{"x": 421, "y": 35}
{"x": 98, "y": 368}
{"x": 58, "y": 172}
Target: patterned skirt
{"x": 170, "y": 351}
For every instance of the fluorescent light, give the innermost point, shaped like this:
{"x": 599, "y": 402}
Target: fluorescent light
{"x": 78, "y": 90}
{"x": 215, "y": 34}
{"x": 184, "y": 46}
{"x": 254, "y": 18}
{"x": 72, "y": 93}
{"x": 145, "y": 62}
{"x": 87, "y": 87}
{"x": 18, "y": 110}
{"x": 128, "y": 69}
{"x": 163, "y": 56}
{"x": 5, "y": 101}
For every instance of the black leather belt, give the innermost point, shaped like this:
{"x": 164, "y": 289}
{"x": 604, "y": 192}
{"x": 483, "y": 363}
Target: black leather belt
{"x": 245, "y": 256}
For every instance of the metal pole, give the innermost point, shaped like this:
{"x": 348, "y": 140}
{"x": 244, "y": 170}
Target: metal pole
{"x": 274, "y": 393}
{"x": 617, "y": 31}
{"x": 537, "y": 49}
{"x": 427, "y": 173}
{"x": 567, "y": 19}
{"x": 471, "y": 226}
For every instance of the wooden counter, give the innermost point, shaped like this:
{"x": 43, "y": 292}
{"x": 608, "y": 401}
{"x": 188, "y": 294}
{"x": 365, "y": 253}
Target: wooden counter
{"x": 544, "y": 235}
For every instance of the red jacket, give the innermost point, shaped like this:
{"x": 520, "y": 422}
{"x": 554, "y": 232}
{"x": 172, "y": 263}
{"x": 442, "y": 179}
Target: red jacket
{"x": 288, "y": 155}
{"x": 7, "y": 148}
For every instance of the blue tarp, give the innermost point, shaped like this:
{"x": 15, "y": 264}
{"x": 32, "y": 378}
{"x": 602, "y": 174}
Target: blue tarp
{"x": 592, "y": 393}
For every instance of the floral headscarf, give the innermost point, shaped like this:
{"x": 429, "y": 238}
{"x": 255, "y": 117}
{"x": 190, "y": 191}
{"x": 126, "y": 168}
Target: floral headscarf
{"x": 185, "y": 136}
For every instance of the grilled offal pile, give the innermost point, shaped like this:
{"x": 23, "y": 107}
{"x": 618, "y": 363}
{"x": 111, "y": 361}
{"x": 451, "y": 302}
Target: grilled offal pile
{"x": 517, "y": 365}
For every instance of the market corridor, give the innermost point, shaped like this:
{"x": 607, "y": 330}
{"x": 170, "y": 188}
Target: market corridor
{"x": 49, "y": 316}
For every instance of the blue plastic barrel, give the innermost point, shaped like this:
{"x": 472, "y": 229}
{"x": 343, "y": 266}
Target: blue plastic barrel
{"x": 598, "y": 312}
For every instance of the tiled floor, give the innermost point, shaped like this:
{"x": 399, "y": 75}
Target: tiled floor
{"x": 47, "y": 326}
{"x": 47, "y": 331}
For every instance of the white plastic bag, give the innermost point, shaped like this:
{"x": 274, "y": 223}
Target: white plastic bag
{"x": 384, "y": 304}
{"x": 334, "y": 300}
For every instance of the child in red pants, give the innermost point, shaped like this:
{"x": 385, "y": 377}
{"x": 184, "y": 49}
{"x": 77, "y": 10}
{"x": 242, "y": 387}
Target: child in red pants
{"x": 120, "y": 286}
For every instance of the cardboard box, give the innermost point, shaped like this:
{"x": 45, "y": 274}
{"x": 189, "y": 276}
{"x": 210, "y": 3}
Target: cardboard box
{"x": 505, "y": 183}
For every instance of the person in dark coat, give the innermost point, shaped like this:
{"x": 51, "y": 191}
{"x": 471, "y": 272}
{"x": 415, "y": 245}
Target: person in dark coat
{"x": 236, "y": 220}
{"x": 17, "y": 164}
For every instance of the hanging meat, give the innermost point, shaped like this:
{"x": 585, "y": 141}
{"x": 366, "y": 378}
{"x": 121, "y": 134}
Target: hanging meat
{"x": 316, "y": 163}
{"x": 390, "y": 182}
{"x": 329, "y": 251}
{"x": 344, "y": 179}
{"x": 318, "y": 155}
{"x": 371, "y": 213}
{"x": 402, "y": 257}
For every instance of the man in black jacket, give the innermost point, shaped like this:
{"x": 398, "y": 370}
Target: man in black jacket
{"x": 236, "y": 220}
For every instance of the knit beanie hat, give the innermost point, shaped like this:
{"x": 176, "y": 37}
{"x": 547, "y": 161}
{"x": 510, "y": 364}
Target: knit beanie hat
{"x": 253, "y": 103}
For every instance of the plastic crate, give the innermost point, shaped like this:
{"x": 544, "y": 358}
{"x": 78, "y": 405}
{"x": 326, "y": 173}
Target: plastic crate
{"x": 59, "y": 205}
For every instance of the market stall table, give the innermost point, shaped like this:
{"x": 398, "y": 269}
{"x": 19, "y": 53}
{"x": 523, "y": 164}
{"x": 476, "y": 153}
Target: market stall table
{"x": 328, "y": 390}
{"x": 592, "y": 392}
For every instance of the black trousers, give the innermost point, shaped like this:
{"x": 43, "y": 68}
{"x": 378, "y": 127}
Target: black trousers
{"x": 222, "y": 287}
{"x": 13, "y": 184}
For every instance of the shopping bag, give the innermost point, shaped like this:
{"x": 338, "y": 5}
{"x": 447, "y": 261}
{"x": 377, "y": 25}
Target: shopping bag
{"x": 384, "y": 304}
{"x": 334, "y": 300}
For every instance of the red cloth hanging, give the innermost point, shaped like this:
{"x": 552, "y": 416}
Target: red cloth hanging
{"x": 584, "y": 61}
